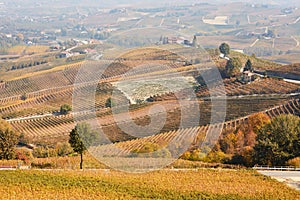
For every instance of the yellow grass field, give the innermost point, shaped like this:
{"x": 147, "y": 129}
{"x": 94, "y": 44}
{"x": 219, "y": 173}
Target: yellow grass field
{"x": 165, "y": 184}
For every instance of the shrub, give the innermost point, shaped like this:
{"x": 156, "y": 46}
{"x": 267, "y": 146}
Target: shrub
{"x": 233, "y": 67}
{"x": 44, "y": 152}
{"x": 63, "y": 149}
{"x": 152, "y": 150}
{"x": 42, "y": 165}
{"x": 216, "y": 156}
{"x": 40, "y": 152}
{"x": 65, "y": 109}
{"x": 295, "y": 162}
{"x": 23, "y": 97}
{"x": 24, "y": 155}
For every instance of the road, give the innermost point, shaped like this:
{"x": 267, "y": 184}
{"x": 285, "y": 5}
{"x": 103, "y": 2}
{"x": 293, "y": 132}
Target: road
{"x": 296, "y": 21}
{"x": 161, "y": 23}
{"x": 291, "y": 178}
{"x": 30, "y": 117}
{"x": 267, "y": 30}
{"x": 254, "y": 43}
{"x": 291, "y": 81}
{"x": 297, "y": 41}
{"x": 70, "y": 49}
{"x": 138, "y": 22}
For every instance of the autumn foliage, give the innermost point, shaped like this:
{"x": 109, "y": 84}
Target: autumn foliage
{"x": 239, "y": 143}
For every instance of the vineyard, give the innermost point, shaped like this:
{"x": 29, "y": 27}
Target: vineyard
{"x": 262, "y": 87}
{"x": 124, "y": 148}
{"x": 31, "y": 102}
{"x": 39, "y": 83}
{"x": 56, "y": 126}
{"x": 107, "y": 184}
{"x": 46, "y": 86}
{"x": 46, "y": 83}
{"x": 41, "y": 87}
{"x": 49, "y": 100}
{"x": 18, "y": 50}
{"x": 59, "y": 126}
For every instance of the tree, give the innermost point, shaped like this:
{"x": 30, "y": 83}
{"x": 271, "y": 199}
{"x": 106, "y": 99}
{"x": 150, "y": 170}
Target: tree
{"x": 224, "y": 49}
{"x": 241, "y": 141}
{"x": 278, "y": 141}
{"x": 228, "y": 143}
{"x": 233, "y": 67}
{"x": 248, "y": 66}
{"x": 257, "y": 121}
{"x": 8, "y": 140}
{"x": 194, "y": 43}
{"x": 81, "y": 138}
{"x": 65, "y": 109}
{"x": 20, "y": 37}
{"x": 109, "y": 103}
{"x": 23, "y": 97}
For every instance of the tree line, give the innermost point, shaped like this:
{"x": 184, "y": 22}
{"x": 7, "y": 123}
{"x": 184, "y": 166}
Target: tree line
{"x": 260, "y": 141}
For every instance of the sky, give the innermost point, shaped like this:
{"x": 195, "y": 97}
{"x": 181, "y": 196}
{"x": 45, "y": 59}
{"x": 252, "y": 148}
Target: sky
{"x": 152, "y": 3}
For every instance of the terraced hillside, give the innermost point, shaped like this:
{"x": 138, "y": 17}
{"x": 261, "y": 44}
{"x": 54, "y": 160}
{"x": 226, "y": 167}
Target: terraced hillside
{"x": 58, "y": 127}
{"x": 46, "y": 91}
{"x": 293, "y": 71}
{"x": 261, "y": 87}
{"x": 125, "y": 148}
{"x": 40, "y": 86}
{"x": 49, "y": 101}
{"x": 46, "y": 86}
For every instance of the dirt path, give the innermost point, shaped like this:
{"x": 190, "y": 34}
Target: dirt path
{"x": 161, "y": 23}
{"x": 254, "y": 43}
{"x": 297, "y": 41}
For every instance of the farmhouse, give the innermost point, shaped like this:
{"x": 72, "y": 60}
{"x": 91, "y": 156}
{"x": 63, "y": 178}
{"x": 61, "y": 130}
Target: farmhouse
{"x": 247, "y": 77}
{"x": 65, "y": 54}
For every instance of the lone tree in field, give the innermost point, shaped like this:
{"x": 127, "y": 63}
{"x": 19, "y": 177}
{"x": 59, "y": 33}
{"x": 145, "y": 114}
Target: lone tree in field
{"x": 81, "y": 138}
{"x": 233, "y": 67}
{"x": 278, "y": 141}
{"x": 248, "y": 66}
{"x": 8, "y": 141}
{"x": 224, "y": 49}
{"x": 65, "y": 109}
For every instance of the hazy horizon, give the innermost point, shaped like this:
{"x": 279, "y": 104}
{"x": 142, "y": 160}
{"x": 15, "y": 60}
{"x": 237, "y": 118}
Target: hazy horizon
{"x": 138, "y": 3}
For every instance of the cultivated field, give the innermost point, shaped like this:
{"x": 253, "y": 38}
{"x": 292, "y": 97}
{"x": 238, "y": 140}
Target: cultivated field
{"x": 166, "y": 184}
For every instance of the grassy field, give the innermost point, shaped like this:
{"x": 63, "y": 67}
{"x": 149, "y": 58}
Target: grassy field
{"x": 94, "y": 184}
